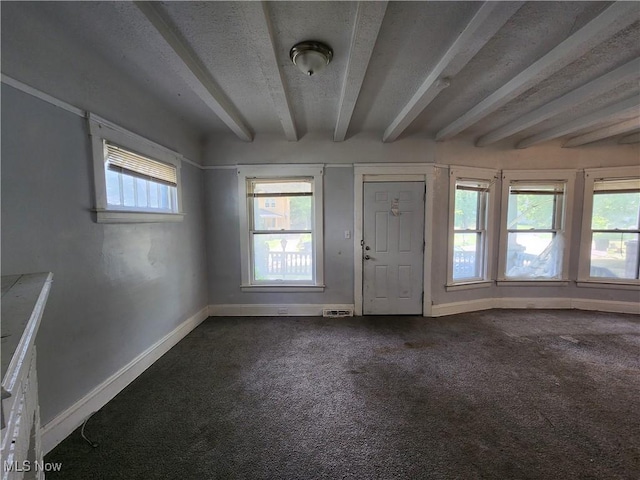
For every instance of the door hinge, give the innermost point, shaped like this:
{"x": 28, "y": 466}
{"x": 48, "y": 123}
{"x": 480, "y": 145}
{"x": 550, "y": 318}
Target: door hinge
{"x": 424, "y": 245}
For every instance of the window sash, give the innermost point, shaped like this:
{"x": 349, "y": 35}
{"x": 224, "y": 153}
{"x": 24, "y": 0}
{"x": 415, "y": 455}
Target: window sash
{"x": 556, "y": 190}
{"x": 478, "y": 257}
{"x": 461, "y": 261}
{"x": 251, "y": 185}
{"x": 599, "y": 268}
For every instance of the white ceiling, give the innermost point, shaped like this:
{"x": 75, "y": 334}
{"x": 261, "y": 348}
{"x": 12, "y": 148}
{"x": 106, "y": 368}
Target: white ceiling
{"x": 224, "y": 67}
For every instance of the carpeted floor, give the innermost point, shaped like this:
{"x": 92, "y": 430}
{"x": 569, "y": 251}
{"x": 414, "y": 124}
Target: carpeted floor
{"x": 507, "y": 394}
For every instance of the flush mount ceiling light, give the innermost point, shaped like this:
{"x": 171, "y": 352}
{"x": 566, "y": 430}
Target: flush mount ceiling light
{"x": 311, "y": 57}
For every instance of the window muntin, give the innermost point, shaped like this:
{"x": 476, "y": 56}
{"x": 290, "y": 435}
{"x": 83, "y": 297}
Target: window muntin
{"x": 469, "y": 229}
{"x": 288, "y": 255}
{"x": 137, "y": 182}
{"x": 615, "y": 229}
{"x": 534, "y": 229}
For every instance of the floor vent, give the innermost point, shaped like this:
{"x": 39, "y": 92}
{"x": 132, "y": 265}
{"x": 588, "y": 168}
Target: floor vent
{"x": 333, "y": 313}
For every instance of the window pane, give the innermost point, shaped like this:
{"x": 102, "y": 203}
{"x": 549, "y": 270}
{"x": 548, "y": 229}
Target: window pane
{"x": 282, "y": 256}
{"x": 532, "y": 211}
{"x": 282, "y": 213}
{"x": 533, "y": 255}
{"x": 466, "y": 213}
{"x": 141, "y": 192}
{"x": 163, "y": 191}
{"x": 127, "y": 191}
{"x": 467, "y": 255}
{"x": 153, "y": 195}
{"x": 614, "y": 255}
{"x": 113, "y": 187}
{"x": 615, "y": 210}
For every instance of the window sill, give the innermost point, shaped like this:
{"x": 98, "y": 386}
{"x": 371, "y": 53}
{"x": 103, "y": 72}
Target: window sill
{"x": 606, "y": 284}
{"x": 452, "y": 287}
{"x": 528, "y": 283}
{"x": 125, "y": 216}
{"x": 282, "y": 288}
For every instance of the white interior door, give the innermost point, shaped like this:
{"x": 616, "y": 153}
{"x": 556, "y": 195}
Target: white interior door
{"x": 393, "y": 249}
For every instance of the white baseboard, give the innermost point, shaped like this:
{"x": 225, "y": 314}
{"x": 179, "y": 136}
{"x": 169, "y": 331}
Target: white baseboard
{"x": 275, "y": 310}
{"x": 605, "y": 305}
{"x": 535, "y": 303}
{"x": 61, "y": 426}
{"x": 461, "y": 307}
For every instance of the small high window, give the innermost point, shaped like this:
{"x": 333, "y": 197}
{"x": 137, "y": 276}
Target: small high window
{"x": 136, "y": 180}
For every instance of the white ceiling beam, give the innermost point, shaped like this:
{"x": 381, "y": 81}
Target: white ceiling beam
{"x": 260, "y": 29}
{"x": 600, "y": 117}
{"x": 606, "y": 132}
{"x": 193, "y": 72}
{"x": 369, "y": 16}
{"x": 615, "y": 18}
{"x": 593, "y": 89}
{"x": 633, "y": 138}
{"x": 483, "y": 26}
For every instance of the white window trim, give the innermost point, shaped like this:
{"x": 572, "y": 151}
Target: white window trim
{"x": 567, "y": 176}
{"x": 584, "y": 265}
{"x": 315, "y": 171}
{"x": 486, "y": 175}
{"x": 100, "y": 130}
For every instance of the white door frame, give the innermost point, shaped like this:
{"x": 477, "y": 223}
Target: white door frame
{"x": 392, "y": 172}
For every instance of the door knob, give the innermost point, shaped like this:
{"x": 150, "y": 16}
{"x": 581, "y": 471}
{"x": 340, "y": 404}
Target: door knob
{"x": 367, "y": 247}
{"x": 367, "y": 257}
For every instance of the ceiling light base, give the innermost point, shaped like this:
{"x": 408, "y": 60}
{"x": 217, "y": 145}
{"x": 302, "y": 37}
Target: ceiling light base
{"x": 310, "y": 57}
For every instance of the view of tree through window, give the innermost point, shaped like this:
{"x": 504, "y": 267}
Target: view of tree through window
{"x": 615, "y": 226}
{"x": 469, "y": 229}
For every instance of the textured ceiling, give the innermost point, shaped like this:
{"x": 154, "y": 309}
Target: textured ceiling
{"x": 223, "y": 67}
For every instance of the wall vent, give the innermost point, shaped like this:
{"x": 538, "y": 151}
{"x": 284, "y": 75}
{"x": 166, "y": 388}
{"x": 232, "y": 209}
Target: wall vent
{"x": 337, "y": 313}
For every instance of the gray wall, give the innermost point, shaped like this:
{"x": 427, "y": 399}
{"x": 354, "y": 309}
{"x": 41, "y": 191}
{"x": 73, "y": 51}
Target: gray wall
{"x": 224, "y": 243}
{"x": 117, "y": 288}
{"x": 222, "y": 220}
{"x": 39, "y": 51}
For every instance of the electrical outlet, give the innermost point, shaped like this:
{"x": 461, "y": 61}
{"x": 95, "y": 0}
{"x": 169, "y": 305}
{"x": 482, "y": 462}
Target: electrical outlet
{"x": 347, "y": 234}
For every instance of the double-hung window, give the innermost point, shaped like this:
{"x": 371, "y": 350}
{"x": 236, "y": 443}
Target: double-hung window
{"x": 281, "y": 227}
{"x": 611, "y": 226}
{"x": 535, "y": 224}
{"x": 136, "y": 180}
{"x": 470, "y": 214}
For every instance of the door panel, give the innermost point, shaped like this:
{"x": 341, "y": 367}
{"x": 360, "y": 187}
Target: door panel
{"x": 393, "y": 232}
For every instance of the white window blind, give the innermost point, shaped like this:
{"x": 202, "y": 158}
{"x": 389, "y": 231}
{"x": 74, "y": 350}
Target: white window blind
{"x": 126, "y": 161}
{"x": 629, "y": 185}
{"x": 527, "y": 188}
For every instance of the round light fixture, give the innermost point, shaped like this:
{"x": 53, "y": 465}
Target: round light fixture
{"x": 310, "y": 56}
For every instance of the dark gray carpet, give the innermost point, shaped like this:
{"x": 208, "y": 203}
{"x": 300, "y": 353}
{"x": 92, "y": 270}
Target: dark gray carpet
{"x": 507, "y": 394}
